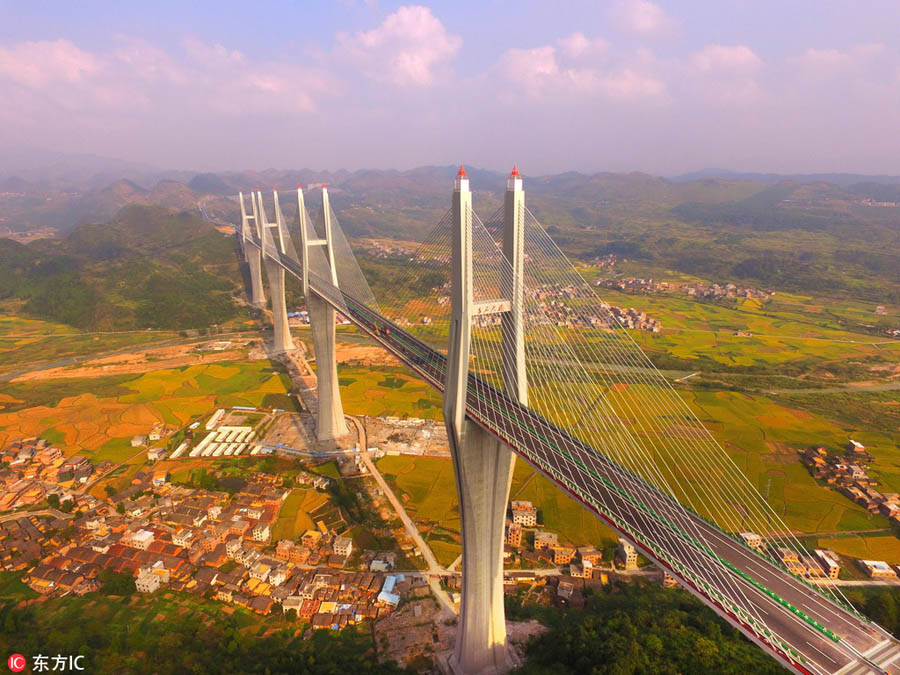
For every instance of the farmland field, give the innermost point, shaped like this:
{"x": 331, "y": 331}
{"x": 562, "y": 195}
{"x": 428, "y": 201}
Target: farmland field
{"x": 24, "y": 341}
{"x": 385, "y": 390}
{"x": 294, "y": 519}
{"x": 98, "y": 416}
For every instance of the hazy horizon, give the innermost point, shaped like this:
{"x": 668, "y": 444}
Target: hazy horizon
{"x": 628, "y": 85}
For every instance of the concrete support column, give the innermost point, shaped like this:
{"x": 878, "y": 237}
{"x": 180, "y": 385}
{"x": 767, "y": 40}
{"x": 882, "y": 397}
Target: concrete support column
{"x": 483, "y": 468}
{"x": 331, "y": 422}
{"x": 281, "y": 334}
{"x": 254, "y": 262}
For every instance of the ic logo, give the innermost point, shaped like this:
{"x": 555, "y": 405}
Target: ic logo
{"x": 16, "y": 663}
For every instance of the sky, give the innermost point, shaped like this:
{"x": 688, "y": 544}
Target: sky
{"x": 617, "y": 85}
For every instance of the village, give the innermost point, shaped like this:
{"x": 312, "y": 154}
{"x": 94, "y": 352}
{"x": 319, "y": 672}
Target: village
{"x": 847, "y": 472}
{"x": 698, "y": 289}
{"x": 218, "y": 544}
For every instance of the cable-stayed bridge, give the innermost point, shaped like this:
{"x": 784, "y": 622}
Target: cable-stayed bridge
{"x": 532, "y": 364}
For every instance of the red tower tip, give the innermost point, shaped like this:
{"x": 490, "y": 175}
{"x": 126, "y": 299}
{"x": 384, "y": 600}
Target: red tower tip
{"x": 515, "y": 172}
{"x": 462, "y": 172}
{"x": 299, "y": 187}
{"x": 324, "y": 187}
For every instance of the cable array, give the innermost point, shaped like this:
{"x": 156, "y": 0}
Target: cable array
{"x": 601, "y": 420}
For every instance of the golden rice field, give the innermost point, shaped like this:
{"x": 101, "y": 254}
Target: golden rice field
{"x": 101, "y": 418}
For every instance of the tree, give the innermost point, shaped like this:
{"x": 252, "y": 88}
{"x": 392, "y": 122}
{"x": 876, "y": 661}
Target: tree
{"x": 120, "y": 507}
{"x": 110, "y": 490}
{"x": 117, "y": 583}
{"x": 53, "y": 500}
{"x": 67, "y": 506}
{"x": 882, "y": 607}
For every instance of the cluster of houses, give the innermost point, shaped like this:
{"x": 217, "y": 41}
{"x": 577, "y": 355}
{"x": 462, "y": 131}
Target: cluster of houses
{"x": 822, "y": 564}
{"x": 36, "y": 469}
{"x": 22, "y": 539}
{"x": 547, "y": 550}
{"x": 387, "y": 250}
{"x": 552, "y": 300}
{"x": 694, "y": 290}
{"x": 849, "y": 474}
{"x": 207, "y": 543}
{"x": 719, "y": 292}
{"x": 555, "y": 308}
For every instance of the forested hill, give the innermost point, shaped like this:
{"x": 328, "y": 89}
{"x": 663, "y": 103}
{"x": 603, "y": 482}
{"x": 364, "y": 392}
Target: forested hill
{"x": 837, "y": 236}
{"x": 147, "y": 268}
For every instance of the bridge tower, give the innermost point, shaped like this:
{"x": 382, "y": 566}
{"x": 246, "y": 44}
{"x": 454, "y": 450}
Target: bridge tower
{"x": 252, "y": 255}
{"x": 483, "y": 465}
{"x": 331, "y": 422}
{"x": 281, "y": 332}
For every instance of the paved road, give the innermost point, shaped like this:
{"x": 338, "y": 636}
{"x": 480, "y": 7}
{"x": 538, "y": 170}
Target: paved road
{"x": 15, "y": 515}
{"x": 87, "y": 486}
{"x": 435, "y": 570}
{"x": 846, "y": 389}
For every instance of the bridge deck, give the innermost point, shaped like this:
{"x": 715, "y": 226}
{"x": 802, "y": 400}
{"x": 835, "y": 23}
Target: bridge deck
{"x": 735, "y": 576}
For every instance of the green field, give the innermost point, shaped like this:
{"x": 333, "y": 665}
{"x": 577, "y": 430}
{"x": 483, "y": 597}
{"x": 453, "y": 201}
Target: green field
{"x": 29, "y": 341}
{"x": 385, "y": 391}
{"x": 427, "y": 488}
{"x": 294, "y": 519}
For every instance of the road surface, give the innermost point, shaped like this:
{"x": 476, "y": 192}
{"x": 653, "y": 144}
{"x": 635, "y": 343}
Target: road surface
{"x": 435, "y": 570}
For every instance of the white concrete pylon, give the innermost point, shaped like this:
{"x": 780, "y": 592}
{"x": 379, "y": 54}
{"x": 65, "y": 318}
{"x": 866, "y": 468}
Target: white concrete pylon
{"x": 331, "y": 422}
{"x": 252, "y": 254}
{"x": 281, "y": 332}
{"x": 483, "y": 468}
{"x": 304, "y": 237}
{"x": 326, "y": 229}
{"x": 515, "y": 380}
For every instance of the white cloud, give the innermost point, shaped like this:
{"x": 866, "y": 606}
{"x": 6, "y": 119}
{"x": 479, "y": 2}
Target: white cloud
{"x": 830, "y": 62}
{"x": 724, "y": 74}
{"x": 726, "y": 57}
{"x": 150, "y": 63}
{"x": 533, "y": 69}
{"x": 642, "y": 18}
{"x": 579, "y": 67}
{"x": 577, "y": 45}
{"x": 628, "y": 84}
{"x": 36, "y": 64}
{"x": 137, "y": 77}
{"x": 405, "y": 49}
{"x": 213, "y": 56}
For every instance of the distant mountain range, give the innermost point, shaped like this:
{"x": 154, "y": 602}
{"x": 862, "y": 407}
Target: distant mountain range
{"x": 128, "y": 248}
{"x": 842, "y": 179}
{"x": 402, "y": 203}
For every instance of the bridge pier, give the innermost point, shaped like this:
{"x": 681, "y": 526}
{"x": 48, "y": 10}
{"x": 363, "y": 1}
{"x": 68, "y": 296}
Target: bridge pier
{"x": 254, "y": 262}
{"x": 281, "y": 332}
{"x": 252, "y": 255}
{"x": 331, "y": 422}
{"x": 483, "y": 465}
{"x": 484, "y": 469}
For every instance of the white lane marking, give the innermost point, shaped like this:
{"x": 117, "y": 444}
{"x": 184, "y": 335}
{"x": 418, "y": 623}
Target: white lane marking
{"x": 822, "y": 653}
